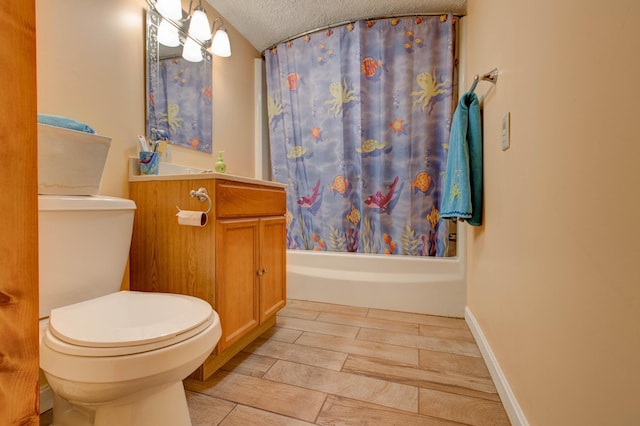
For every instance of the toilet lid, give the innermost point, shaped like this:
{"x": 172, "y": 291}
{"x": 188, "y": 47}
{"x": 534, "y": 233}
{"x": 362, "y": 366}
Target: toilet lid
{"x": 129, "y": 318}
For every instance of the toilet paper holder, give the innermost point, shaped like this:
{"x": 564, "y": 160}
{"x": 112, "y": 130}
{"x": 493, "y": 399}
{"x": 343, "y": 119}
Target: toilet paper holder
{"x": 202, "y": 196}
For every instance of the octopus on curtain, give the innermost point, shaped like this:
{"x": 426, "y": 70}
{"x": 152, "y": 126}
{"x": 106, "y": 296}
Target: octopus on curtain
{"x": 340, "y": 95}
{"x": 429, "y": 88}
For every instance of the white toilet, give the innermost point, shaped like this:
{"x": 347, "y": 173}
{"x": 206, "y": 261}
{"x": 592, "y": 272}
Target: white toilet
{"x": 111, "y": 357}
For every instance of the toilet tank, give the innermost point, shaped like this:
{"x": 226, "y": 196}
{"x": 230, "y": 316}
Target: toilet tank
{"x": 83, "y": 246}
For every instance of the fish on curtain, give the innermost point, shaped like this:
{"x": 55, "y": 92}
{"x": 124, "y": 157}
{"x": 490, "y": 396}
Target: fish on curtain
{"x": 359, "y": 119}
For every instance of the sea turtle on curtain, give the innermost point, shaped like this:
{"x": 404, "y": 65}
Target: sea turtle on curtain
{"x": 372, "y": 147}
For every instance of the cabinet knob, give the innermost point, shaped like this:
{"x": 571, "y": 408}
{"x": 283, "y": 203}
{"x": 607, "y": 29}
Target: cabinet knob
{"x": 265, "y": 270}
{"x": 260, "y": 272}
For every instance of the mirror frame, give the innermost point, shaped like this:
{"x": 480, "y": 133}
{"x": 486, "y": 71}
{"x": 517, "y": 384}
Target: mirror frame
{"x": 186, "y": 119}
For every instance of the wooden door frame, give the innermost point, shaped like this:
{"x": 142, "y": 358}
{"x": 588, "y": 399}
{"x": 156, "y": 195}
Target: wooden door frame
{"x": 19, "y": 345}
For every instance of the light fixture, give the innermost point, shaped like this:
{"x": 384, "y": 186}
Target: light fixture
{"x": 171, "y": 9}
{"x": 199, "y": 25}
{"x": 168, "y": 34}
{"x": 221, "y": 45}
{"x": 198, "y": 35}
{"x": 191, "y": 50}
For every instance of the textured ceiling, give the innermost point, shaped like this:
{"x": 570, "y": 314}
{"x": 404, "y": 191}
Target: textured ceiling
{"x": 268, "y": 22}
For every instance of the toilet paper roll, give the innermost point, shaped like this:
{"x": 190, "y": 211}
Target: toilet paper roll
{"x": 191, "y": 218}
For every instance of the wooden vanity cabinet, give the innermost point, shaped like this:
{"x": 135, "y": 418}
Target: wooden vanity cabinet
{"x": 273, "y": 291}
{"x": 250, "y": 266}
{"x": 236, "y": 262}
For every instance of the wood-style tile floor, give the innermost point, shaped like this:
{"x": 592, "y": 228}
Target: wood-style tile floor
{"x": 326, "y": 364}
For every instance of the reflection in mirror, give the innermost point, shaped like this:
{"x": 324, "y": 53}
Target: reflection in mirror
{"x": 178, "y": 91}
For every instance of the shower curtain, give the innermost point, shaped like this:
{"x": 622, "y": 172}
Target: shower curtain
{"x": 359, "y": 119}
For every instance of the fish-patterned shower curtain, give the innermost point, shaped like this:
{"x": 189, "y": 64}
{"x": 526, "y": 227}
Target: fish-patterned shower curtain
{"x": 359, "y": 120}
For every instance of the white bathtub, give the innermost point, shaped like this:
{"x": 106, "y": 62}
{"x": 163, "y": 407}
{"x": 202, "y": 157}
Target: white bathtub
{"x": 402, "y": 283}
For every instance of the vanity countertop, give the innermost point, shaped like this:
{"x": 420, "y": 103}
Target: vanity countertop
{"x": 170, "y": 171}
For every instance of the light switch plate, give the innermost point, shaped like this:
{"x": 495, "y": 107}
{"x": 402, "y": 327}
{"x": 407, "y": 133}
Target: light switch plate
{"x": 506, "y": 142}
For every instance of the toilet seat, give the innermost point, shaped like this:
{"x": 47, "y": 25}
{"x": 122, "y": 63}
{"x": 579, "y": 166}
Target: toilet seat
{"x": 125, "y": 323}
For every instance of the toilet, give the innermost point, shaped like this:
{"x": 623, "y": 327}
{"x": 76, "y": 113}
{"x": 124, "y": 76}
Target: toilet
{"x": 111, "y": 357}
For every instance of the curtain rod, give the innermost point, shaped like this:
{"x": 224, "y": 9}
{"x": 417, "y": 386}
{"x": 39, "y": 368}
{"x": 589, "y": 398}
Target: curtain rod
{"x": 339, "y": 24}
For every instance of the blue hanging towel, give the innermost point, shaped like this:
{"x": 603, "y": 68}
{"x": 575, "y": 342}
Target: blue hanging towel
{"x": 462, "y": 189}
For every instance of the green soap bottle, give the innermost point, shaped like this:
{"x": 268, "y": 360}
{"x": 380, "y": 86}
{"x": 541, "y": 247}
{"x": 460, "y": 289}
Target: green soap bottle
{"x": 220, "y": 166}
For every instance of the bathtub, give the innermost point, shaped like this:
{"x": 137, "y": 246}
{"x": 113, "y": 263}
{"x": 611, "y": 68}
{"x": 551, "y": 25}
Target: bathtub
{"x": 433, "y": 286}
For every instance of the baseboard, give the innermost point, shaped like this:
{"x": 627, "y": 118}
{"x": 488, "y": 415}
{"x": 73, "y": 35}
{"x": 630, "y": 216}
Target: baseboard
{"x": 46, "y": 398}
{"x": 511, "y": 406}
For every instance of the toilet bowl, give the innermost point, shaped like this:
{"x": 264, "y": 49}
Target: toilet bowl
{"x": 121, "y": 358}
{"x": 112, "y": 357}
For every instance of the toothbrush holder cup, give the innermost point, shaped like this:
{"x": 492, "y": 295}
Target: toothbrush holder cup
{"x": 149, "y": 163}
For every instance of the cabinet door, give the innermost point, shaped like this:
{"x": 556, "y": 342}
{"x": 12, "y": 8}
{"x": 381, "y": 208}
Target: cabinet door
{"x": 273, "y": 289}
{"x": 237, "y": 281}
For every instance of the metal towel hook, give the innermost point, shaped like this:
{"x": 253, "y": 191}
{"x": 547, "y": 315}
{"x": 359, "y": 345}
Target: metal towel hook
{"x": 491, "y": 77}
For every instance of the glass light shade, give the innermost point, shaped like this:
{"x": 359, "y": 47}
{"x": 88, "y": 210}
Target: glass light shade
{"x": 199, "y": 26}
{"x": 220, "y": 45}
{"x": 171, "y": 9}
{"x": 168, "y": 34}
{"x": 191, "y": 51}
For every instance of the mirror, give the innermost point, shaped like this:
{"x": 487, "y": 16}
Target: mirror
{"x": 178, "y": 93}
